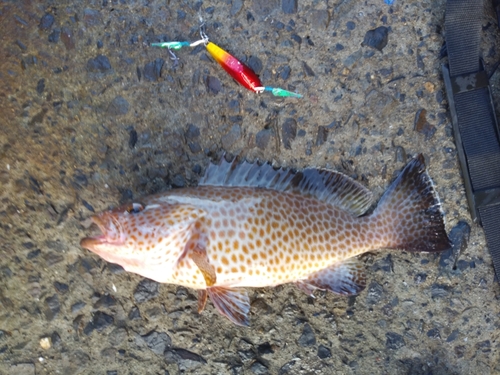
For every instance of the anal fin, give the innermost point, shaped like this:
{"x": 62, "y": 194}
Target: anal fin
{"x": 233, "y": 303}
{"x": 345, "y": 278}
{"x": 202, "y": 300}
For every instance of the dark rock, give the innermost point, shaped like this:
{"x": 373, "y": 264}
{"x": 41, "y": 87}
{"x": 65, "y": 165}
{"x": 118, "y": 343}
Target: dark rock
{"x": 134, "y": 314}
{"x": 265, "y": 348}
{"x": 61, "y": 287}
{"x": 375, "y": 293}
{"x": 214, "y": 85}
{"x": 178, "y": 181}
{"x": 296, "y": 38}
{"x": 324, "y": 352}
{"x": 87, "y": 205}
{"x": 230, "y": 138}
{"x": 255, "y": 64}
{"x": 236, "y": 6}
{"x": 376, "y": 38}
{"x": 258, "y": 368}
{"x": 77, "y": 306}
{"x": 234, "y": 106}
{"x": 453, "y": 335}
{"x": 385, "y": 264}
{"x": 192, "y": 132}
{"x": 67, "y": 38}
{"x": 40, "y": 86}
{"x": 99, "y": 322}
{"x": 99, "y": 64}
{"x": 119, "y": 106}
{"x": 394, "y": 341}
{"x": 106, "y": 300}
{"x": 322, "y": 135}
{"x": 440, "y": 290}
{"x": 400, "y": 154}
{"x": 183, "y": 358}
{"x": 289, "y": 6}
{"x": 111, "y": 372}
{"x": 434, "y": 333}
{"x": 460, "y": 350}
{"x": 262, "y": 138}
{"x": 459, "y": 237}
{"x": 158, "y": 342}
{"x": 52, "y": 307}
{"x": 288, "y": 132}
{"x": 484, "y": 346}
{"x": 55, "y": 35}
{"x": 132, "y": 139}
{"x": 80, "y": 179}
{"x": 284, "y": 72}
{"x": 55, "y": 338}
{"x": 152, "y": 70}
{"x": 46, "y": 21}
{"x": 308, "y": 338}
{"x": 194, "y": 147}
{"x": 146, "y": 290}
{"x": 350, "y": 25}
{"x": 91, "y": 17}
{"x": 33, "y": 254}
{"x": 21, "y": 45}
{"x": 307, "y": 69}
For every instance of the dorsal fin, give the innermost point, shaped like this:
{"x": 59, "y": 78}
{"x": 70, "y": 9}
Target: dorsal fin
{"x": 332, "y": 187}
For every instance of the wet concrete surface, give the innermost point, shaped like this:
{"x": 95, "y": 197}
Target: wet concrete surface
{"x": 91, "y": 116}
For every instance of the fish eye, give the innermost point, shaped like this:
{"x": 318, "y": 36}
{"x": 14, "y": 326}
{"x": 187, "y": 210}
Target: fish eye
{"x": 135, "y": 208}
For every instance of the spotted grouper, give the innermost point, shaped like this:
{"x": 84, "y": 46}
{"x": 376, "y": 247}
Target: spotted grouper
{"x": 253, "y": 225}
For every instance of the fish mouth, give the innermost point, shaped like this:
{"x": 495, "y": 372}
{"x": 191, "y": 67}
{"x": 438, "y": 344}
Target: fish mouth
{"x": 111, "y": 232}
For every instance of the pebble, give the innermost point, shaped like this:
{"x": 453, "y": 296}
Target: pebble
{"x": 184, "y": 359}
{"x": 422, "y": 126}
{"x": 99, "y": 64}
{"x": 146, "y": 290}
{"x": 118, "y": 107}
{"x": 100, "y": 321}
{"x": 236, "y": 6}
{"x": 376, "y": 38}
{"x": 459, "y": 237}
{"x": 61, "y": 287}
{"x": 264, "y": 8}
{"x": 262, "y": 138}
{"x": 434, "y": 333}
{"x": 230, "y": 138}
{"x": 52, "y": 307}
{"x": 45, "y": 343}
{"x": 158, "y": 342}
{"x": 67, "y": 38}
{"x": 46, "y": 21}
{"x": 307, "y": 69}
{"x": 324, "y": 352}
{"x": 152, "y": 70}
{"x": 308, "y": 338}
{"x": 192, "y": 132}
{"x": 289, "y": 6}
{"x": 214, "y": 85}
{"x": 40, "y": 86}
{"x": 258, "y": 368}
{"x": 288, "y": 132}
{"x": 134, "y": 314}
{"x": 319, "y": 19}
{"x": 132, "y": 139}
{"x": 92, "y": 17}
{"x": 255, "y": 64}
{"x": 54, "y": 35}
{"x": 117, "y": 336}
{"x": 375, "y": 293}
{"x": 322, "y": 135}
{"x": 394, "y": 341}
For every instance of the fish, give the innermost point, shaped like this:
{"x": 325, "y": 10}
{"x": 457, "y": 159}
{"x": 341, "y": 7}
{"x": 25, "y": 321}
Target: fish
{"x": 252, "y": 225}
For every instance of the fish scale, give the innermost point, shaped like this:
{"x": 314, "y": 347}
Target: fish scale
{"x": 253, "y": 225}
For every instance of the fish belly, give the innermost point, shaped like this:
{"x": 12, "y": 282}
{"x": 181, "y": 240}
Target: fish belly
{"x": 259, "y": 237}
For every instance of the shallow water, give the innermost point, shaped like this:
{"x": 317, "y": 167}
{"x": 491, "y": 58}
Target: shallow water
{"x": 87, "y": 122}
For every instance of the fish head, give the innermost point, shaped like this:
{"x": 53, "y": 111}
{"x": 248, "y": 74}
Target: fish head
{"x": 145, "y": 239}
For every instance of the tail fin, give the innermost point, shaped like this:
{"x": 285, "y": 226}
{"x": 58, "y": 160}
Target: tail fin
{"x": 410, "y": 212}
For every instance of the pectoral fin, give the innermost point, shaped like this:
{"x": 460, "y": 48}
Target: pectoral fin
{"x": 196, "y": 249}
{"x": 233, "y": 303}
{"x": 345, "y": 278}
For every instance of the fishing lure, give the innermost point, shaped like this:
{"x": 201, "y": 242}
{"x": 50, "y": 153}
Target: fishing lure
{"x": 241, "y": 73}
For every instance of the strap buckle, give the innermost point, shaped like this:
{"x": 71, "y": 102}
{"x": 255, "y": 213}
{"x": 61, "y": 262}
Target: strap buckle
{"x": 456, "y": 85}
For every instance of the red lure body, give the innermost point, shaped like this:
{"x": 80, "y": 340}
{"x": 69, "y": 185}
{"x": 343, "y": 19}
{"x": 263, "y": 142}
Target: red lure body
{"x": 236, "y": 69}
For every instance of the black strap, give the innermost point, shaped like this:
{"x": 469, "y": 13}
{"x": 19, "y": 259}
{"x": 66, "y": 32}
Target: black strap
{"x": 473, "y": 117}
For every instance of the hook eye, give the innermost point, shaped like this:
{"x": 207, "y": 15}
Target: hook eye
{"x": 135, "y": 208}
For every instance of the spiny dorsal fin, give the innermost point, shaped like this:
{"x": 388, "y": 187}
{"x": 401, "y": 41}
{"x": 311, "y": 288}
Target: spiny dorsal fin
{"x": 332, "y": 187}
